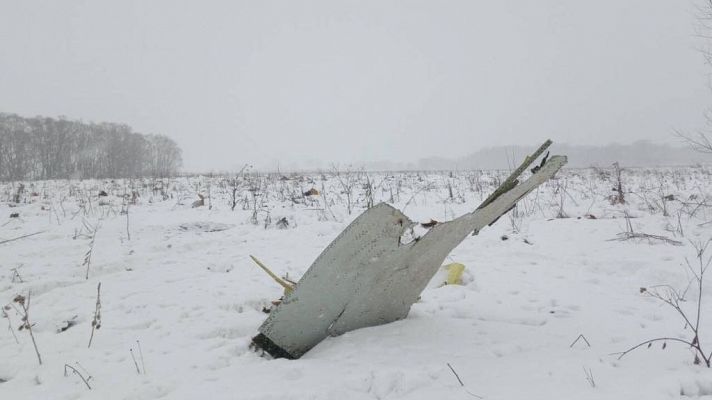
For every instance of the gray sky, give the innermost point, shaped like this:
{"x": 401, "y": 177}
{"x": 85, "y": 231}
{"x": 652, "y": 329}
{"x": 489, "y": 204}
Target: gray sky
{"x": 348, "y": 81}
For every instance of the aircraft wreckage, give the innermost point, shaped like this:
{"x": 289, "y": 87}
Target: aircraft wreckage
{"x": 367, "y": 276}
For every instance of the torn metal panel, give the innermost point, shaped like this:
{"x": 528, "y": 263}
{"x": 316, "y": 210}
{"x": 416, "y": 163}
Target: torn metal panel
{"x": 367, "y": 277}
{"x": 342, "y": 272}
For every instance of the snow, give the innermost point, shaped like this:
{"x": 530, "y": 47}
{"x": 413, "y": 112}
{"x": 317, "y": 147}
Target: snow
{"x": 185, "y": 291}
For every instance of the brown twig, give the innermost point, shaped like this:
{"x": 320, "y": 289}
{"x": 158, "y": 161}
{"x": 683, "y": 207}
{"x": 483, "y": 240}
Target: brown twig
{"x": 589, "y": 377}
{"x": 140, "y": 353}
{"x": 581, "y": 336}
{"x": 138, "y": 371}
{"x": 26, "y": 324}
{"x": 630, "y": 233}
{"x": 461, "y": 383}
{"x": 672, "y": 298}
{"x": 96, "y": 322}
{"x": 20, "y": 237}
{"x": 16, "y": 277}
{"x": 87, "y": 256}
{"x": 650, "y": 342}
{"x": 86, "y": 382}
{"x": 9, "y": 323}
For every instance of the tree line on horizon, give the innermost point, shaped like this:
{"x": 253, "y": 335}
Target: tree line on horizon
{"x": 40, "y": 148}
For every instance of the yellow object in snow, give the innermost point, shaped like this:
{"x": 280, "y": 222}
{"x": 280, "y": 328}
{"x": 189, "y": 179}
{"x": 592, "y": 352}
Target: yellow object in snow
{"x": 454, "y": 273}
{"x": 288, "y": 287}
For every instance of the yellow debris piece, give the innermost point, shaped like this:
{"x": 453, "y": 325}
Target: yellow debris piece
{"x": 288, "y": 287}
{"x": 454, "y": 273}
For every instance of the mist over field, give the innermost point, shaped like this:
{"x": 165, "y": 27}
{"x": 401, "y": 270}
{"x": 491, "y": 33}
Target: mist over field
{"x": 301, "y": 86}
{"x": 637, "y": 154}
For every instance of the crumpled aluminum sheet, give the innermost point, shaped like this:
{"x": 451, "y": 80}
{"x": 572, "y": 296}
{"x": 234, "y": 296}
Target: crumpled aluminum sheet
{"x": 367, "y": 277}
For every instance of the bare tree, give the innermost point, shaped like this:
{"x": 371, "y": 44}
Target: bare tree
{"x": 49, "y": 148}
{"x": 675, "y": 299}
{"x": 700, "y": 142}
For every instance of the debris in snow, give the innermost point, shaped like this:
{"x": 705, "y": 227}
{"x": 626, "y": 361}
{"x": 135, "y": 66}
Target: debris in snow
{"x": 630, "y": 233}
{"x": 370, "y": 276}
{"x": 282, "y": 223}
{"x": 198, "y": 203}
{"x": 225, "y": 268}
{"x": 454, "y": 273}
{"x": 429, "y": 224}
{"x": 204, "y": 226}
{"x": 64, "y": 325}
{"x": 287, "y": 285}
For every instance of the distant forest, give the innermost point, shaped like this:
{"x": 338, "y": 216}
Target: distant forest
{"x": 639, "y": 154}
{"x": 55, "y": 148}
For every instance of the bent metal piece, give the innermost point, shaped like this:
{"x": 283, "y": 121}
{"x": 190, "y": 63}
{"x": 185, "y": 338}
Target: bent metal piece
{"x": 367, "y": 277}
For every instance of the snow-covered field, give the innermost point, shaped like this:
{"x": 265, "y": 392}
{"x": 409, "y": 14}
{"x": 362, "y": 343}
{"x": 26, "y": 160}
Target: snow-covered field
{"x": 180, "y": 295}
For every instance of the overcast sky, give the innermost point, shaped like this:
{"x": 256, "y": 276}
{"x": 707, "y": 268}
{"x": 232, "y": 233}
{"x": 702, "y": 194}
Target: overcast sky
{"x": 346, "y": 81}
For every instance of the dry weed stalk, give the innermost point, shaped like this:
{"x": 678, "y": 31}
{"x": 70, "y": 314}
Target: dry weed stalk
{"x": 96, "y": 322}
{"x": 74, "y": 370}
{"x": 673, "y": 298}
{"x": 92, "y": 230}
{"x": 9, "y": 322}
{"x": 630, "y": 233}
{"x": 24, "y": 304}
